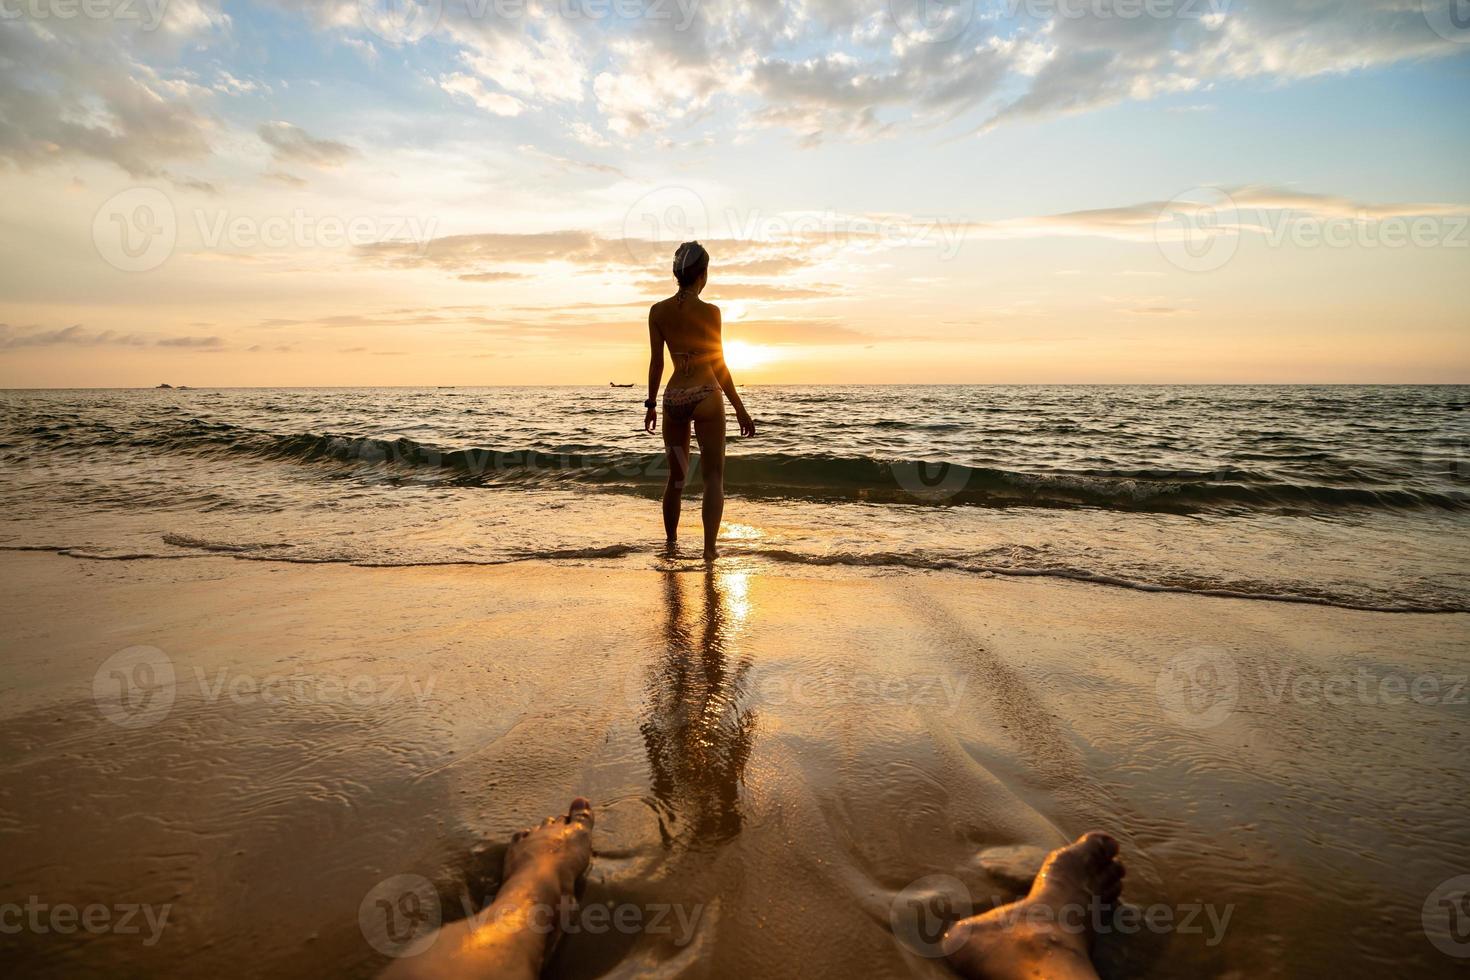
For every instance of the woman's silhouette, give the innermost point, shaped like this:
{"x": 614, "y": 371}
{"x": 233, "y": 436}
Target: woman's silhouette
{"x": 690, "y": 328}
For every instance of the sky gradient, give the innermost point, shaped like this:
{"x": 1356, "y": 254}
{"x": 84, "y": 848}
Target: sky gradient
{"x": 455, "y": 193}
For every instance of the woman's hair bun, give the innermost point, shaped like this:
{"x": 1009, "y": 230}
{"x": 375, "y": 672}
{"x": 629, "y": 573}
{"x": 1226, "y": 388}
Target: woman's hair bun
{"x": 690, "y": 262}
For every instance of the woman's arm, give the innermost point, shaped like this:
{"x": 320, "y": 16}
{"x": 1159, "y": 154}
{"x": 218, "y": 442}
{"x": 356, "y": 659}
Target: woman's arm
{"x": 655, "y": 372}
{"x": 727, "y": 384}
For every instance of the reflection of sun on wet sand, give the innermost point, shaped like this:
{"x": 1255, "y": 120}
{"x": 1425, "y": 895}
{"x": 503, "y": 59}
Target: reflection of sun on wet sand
{"x": 771, "y": 760}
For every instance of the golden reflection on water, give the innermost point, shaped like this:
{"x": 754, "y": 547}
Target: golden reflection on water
{"x": 699, "y": 727}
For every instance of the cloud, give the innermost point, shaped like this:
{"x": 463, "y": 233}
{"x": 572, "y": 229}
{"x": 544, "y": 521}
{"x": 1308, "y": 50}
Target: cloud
{"x": 688, "y": 73}
{"x": 565, "y": 163}
{"x": 1104, "y": 57}
{"x": 725, "y": 290}
{"x": 364, "y": 49}
{"x": 798, "y": 244}
{"x": 495, "y": 103}
{"x": 194, "y": 342}
{"x": 793, "y": 241}
{"x": 75, "y": 89}
{"x": 447, "y": 315}
{"x": 281, "y": 177}
{"x": 828, "y": 69}
{"x": 1157, "y": 311}
{"x": 492, "y": 276}
{"x": 77, "y": 335}
{"x": 292, "y": 144}
{"x": 227, "y": 84}
{"x": 797, "y": 331}
{"x": 73, "y": 336}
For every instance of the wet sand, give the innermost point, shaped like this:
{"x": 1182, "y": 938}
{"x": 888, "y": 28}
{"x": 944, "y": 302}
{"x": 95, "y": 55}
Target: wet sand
{"x": 779, "y": 764}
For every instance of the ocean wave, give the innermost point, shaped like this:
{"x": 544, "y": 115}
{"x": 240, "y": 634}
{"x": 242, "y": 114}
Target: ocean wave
{"x": 1227, "y": 488}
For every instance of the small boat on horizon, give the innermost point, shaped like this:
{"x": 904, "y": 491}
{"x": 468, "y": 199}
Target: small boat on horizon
{"x": 614, "y": 384}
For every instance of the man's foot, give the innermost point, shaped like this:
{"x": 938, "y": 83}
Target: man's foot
{"x": 1047, "y": 934}
{"x": 711, "y": 552}
{"x": 512, "y": 938}
{"x": 548, "y": 860}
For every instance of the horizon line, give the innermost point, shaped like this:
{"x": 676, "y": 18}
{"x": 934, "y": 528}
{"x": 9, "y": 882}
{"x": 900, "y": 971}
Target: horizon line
{"x": 801, "y": 384}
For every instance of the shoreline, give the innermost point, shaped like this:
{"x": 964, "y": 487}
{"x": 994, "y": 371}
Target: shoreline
{"x": 688, "y": 563}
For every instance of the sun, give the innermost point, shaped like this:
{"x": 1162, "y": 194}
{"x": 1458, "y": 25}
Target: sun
{"x": 740, "y": 355}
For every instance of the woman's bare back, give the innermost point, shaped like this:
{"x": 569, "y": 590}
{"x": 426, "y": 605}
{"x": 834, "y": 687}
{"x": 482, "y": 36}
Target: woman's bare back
{"x": 690, "y": 328}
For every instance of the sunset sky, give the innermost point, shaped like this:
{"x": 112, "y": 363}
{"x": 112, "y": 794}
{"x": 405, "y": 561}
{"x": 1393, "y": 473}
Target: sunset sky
{"x": 490, "y": 191}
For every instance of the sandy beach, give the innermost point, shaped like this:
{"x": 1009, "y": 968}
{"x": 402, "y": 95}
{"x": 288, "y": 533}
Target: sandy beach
{"x": 780, "y": 765}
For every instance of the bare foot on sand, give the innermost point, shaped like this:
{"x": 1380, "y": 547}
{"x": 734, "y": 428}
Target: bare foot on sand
{"x": 550, "y": 858}
{"x": 711, "y": 552}
{"x": 514, "y": 935}
{"x": 1047, "y": 934}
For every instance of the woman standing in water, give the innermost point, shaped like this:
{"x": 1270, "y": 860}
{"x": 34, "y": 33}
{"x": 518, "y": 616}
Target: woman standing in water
{"x": 690, "y": 328}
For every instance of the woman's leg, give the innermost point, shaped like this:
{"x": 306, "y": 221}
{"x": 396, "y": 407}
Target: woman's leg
{"x": 676, "y": 445}
{"x": 709, "y": 429}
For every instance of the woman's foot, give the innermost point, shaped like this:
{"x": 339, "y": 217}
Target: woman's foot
{"x": 1047, "y": 934}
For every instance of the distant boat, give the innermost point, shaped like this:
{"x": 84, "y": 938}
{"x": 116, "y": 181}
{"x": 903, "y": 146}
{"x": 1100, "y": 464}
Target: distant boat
{"x": 165, "y": 386}
{"x": 614, "y": 384}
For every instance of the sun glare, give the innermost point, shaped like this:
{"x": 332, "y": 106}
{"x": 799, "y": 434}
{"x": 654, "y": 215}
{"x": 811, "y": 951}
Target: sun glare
{"x": 740, "y": 355}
